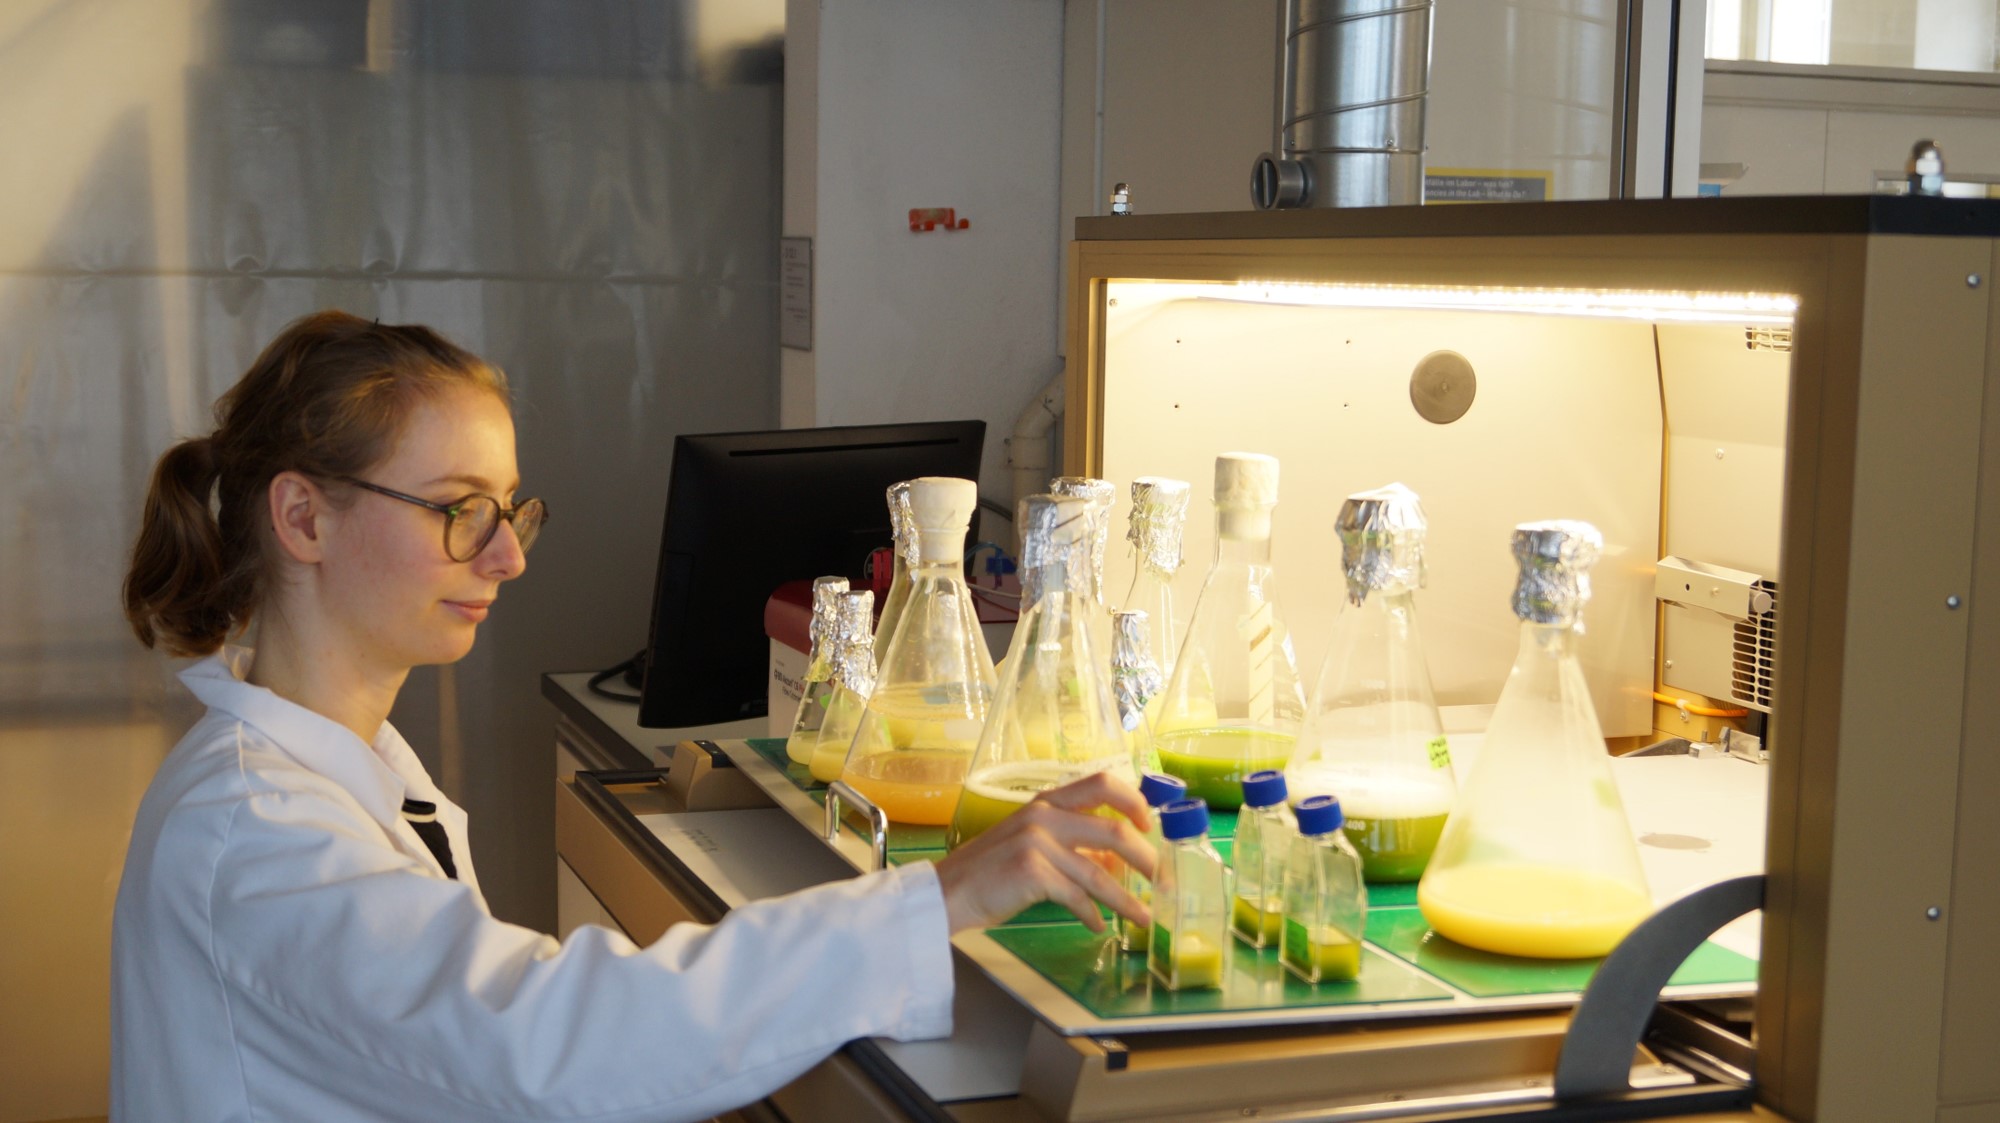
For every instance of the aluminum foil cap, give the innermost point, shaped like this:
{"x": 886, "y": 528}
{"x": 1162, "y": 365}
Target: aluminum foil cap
{"x": 1381, "y": 541}
{"x": 1135, "y": 676}
{"x": 1246, "y": 481}
{"x": 900, "y": 520}
{"x": 1555, "y": 558}
{"x": 1054, "y": 530}
{"x": 826, "y": 601}
{"x": 1159, "y": 516}
{"x": 1101, "y": 495}
{"x": 851, "y": 641}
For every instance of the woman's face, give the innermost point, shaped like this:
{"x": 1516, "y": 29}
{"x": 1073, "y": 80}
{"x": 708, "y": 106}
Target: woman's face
{"x": 386, "y": 580}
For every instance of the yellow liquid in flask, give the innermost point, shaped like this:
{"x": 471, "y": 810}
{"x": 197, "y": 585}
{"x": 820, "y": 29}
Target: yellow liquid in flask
{"x": 1541, "y": 912}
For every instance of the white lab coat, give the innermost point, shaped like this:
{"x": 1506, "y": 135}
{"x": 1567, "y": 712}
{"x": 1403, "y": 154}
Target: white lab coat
{"x": 286, "y": 948}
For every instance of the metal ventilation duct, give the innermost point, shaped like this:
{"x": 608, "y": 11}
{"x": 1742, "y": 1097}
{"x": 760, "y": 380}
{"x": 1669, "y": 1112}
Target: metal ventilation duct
{"x": 1353, "y": 76}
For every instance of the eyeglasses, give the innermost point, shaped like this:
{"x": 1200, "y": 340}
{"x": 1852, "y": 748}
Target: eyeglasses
{"x": 470, "y": 523}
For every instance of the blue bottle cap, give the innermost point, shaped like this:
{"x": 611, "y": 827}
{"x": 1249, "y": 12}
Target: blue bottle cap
{"x": 1264, "y": 789}
{"x": 1159, "y": 788}
{"x": 1184, "y": 818}
{"x": 1320, "y": 814}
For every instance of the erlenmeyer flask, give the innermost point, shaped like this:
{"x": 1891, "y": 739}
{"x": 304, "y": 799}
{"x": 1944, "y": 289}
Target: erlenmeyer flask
{"x": 1135, "y": 681}
{"x": 1372, "y": 736}
{"x": 1538, "y": 858}
{"x": 898, "y": 594}
{"x": 1233, "y": 704}
{"x": 931, "y": 697}
{"x": 818, "y": 684}
{"x": 1159, "y": 515}
{"x": 851, "y": 660}
{"x": 1053, "y": 718}
{"x": 1100, "y": 494}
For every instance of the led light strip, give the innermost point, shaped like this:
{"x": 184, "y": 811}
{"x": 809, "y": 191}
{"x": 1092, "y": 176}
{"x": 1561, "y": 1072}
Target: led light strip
{"x": 1698, "y": 307}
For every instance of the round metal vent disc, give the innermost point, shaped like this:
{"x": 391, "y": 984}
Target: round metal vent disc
{"x": 1442, "y": 387}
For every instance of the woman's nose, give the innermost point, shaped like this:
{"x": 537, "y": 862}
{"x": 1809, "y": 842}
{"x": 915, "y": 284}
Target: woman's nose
{"x": 503, "y": 558}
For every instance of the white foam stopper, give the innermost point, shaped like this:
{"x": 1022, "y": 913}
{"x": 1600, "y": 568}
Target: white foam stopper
{"x": 940, "y": 511}
{"x": 1245, "y": 480}
{"x": 1246, "y": 488}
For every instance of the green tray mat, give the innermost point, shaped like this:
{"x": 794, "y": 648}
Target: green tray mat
{"x": 1116, "y": 984}
{"x": 1403, "y": 933}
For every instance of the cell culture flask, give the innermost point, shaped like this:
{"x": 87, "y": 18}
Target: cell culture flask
{"x": 1100, "y": 494}
{"x": 935, "y": 684}
{"x": 1326, "y": 904}
{"x": 1190, "y": 939}
{"x": 905, "y": 546}
{"x": 1135, "y": 681}
{"x": 851, "y": 667}
{"x": 1372, "y": 735}
{"x": 1159, "y": 516}
{"x": 818, "y": 685}
{"x": 1233, "y": 704}
{"x": 1053, "y": 718}
{"x": 1538, "y": 858}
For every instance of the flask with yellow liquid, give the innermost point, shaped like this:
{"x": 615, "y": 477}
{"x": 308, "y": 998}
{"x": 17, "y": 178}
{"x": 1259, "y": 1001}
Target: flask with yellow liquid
{"x": 850, "y": 655}
{"x": 1326, "y": 904}
{"x": 1158, "y": 789}
{"x": 1053, "y": 718}
{"x": 817, "y": 689}
{"x": 1190, "y": 939}
{"x": 905, "y": 548}
{"x": 935, "y": 684}
{"x": 1372, "y": 735}
{"x": 1538, "y": 858}
{"x": 1233, "y": 703}
{"x": 1158, "y": 518}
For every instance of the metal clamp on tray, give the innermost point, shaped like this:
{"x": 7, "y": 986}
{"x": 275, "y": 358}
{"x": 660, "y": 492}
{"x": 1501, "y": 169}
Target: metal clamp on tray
{"x": 839, "y": 795}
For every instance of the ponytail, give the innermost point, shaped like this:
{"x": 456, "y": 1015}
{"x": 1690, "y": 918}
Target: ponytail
{"x": 175, "y": 592}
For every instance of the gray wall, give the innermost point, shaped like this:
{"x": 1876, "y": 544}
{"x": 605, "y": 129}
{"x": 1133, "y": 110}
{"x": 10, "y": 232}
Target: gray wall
{"x": 584, "y": 191}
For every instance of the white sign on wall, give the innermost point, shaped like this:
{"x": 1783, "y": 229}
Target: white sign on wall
{"x": 795, "y": 293}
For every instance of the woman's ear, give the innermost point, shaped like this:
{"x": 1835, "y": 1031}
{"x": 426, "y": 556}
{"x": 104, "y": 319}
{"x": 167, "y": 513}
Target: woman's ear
{"x": 298, "y": 510}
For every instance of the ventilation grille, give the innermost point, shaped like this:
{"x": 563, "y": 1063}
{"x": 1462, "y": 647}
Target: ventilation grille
{"x": 1754, "y": 654}
{"x": 1767, "y": 338}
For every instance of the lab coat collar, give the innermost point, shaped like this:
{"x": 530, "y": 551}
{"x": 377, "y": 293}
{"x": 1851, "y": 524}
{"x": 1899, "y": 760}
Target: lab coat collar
{"x": 379, "y": 775}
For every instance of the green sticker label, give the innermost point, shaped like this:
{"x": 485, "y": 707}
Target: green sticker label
{"x": 1297, "y": 949}
{"x": 1440, "y": 753}
{"x": 1163, "y": 943}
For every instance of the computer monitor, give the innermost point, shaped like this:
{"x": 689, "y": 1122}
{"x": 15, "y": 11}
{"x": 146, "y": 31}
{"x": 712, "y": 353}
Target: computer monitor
{"x": 747, "y": 512}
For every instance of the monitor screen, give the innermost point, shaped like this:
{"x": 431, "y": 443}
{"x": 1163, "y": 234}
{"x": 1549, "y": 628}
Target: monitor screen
{"x": 747, "y": 512}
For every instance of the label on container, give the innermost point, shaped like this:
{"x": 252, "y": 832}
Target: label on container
{"x": 1440, "y": 753}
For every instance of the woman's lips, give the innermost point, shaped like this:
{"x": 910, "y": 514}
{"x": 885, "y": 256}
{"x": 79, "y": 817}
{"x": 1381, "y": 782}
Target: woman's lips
{"x": 473, "y": 610}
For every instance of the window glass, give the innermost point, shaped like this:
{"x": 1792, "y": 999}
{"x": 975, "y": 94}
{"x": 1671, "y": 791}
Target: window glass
{"x": 1961, "y": 35}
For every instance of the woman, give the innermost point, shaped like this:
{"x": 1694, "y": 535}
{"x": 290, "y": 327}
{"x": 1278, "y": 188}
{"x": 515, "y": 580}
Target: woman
{"x": 300, "y": 932}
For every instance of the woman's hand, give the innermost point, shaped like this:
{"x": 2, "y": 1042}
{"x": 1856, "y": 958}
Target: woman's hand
{"x": 1036, "y": 854}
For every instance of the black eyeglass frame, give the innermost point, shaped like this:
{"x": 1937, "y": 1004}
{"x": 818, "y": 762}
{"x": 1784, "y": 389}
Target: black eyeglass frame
{"x": 451, "y": 510}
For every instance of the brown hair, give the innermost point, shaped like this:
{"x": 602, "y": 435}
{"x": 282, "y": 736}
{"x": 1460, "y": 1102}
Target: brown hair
{"x": 327, "y": 398}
